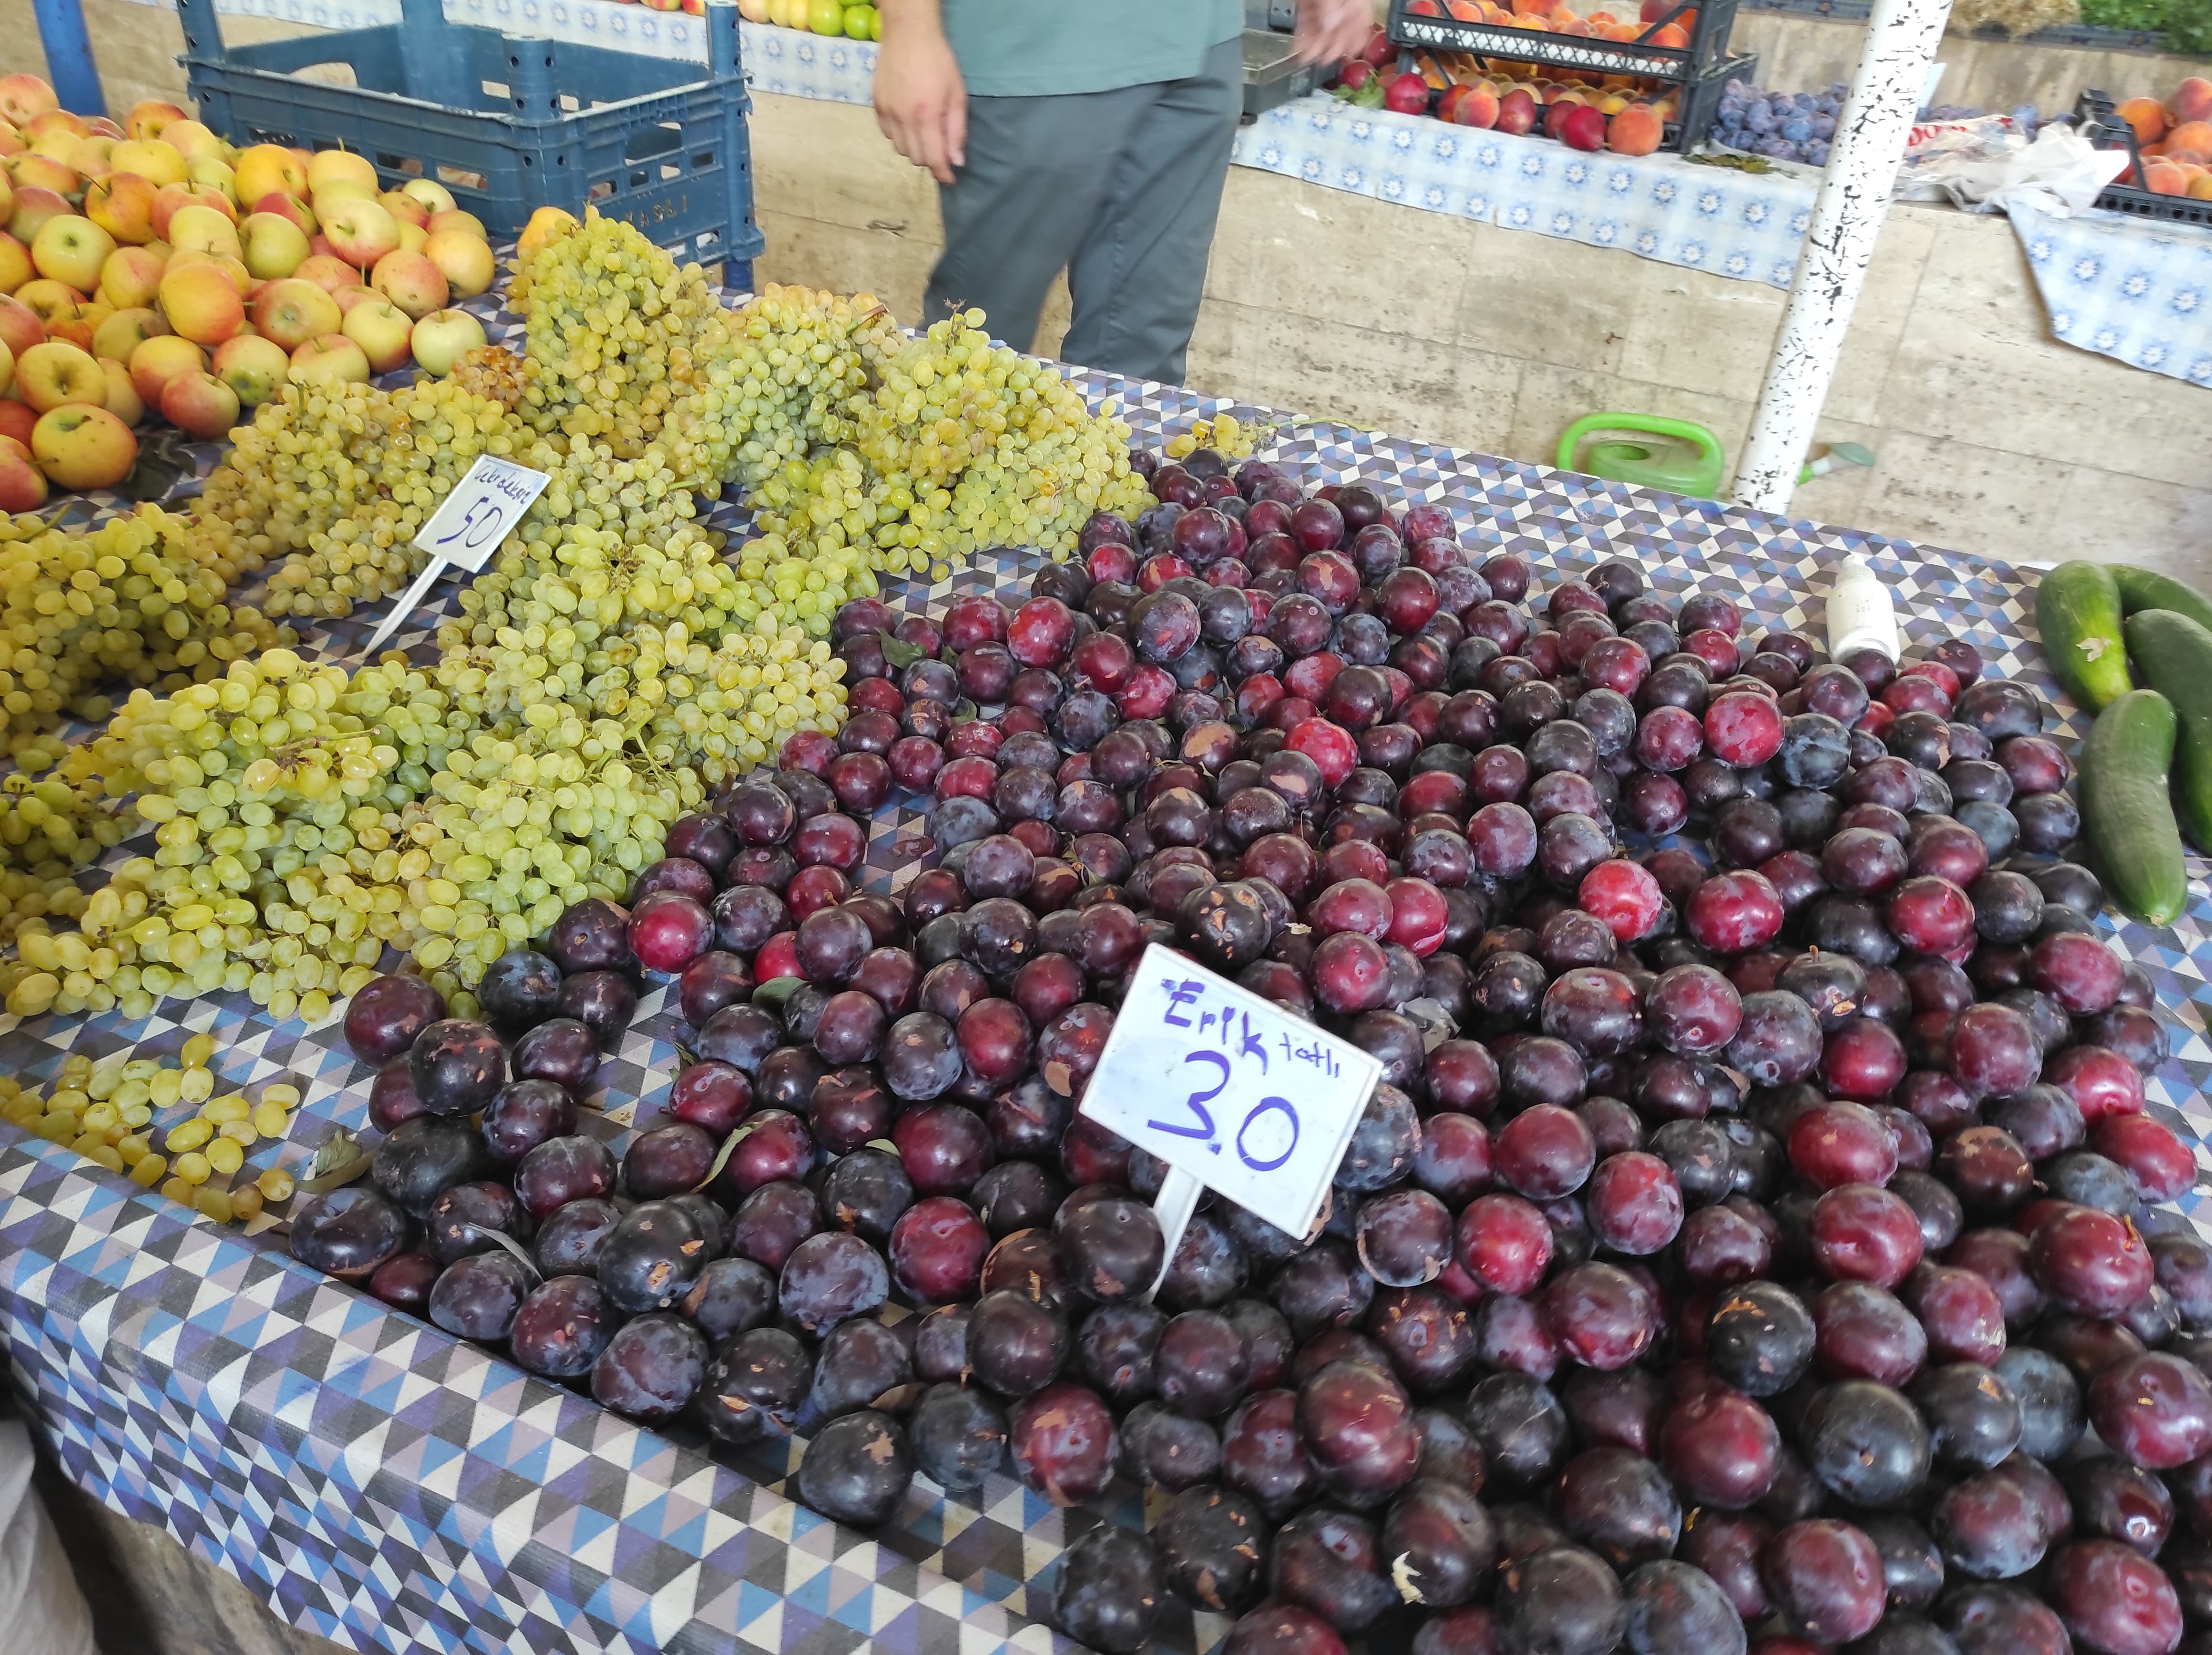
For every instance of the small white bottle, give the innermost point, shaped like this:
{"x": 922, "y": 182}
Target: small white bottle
{"x": 1860, "y": 613}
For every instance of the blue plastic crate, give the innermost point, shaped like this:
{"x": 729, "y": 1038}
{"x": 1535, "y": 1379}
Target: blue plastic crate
{"x": 508, "y": 124}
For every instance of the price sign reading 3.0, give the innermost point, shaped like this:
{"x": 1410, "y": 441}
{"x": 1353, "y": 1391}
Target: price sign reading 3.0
{"x": 1246, "y": 1098}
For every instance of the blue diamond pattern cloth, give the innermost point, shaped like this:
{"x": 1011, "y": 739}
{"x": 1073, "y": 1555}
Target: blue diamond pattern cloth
{"x": 1746, "y": 227}
{"x": 2136, "y": 290}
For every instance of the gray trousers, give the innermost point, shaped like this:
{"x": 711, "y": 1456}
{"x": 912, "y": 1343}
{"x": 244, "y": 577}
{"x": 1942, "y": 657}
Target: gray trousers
{"x": 1119, "y": 188}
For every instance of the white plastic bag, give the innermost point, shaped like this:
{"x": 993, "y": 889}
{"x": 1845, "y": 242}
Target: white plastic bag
{"x": 1989, "y": 168}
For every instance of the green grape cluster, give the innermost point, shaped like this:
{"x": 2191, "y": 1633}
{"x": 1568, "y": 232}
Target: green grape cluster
{"x": 337, "y": 480}
{"x": 802, "y": 356}
{"x": 140, "y": 598}
{"x": 626, "y": 350}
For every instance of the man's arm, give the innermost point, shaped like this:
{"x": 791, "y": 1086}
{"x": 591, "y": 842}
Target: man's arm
{"x": 921, "y": 102}
{"x": 1328, "y": 29}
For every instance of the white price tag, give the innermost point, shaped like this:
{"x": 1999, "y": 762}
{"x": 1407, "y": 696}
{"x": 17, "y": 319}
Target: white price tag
{"x": 467, "y": 528}
{"x": 1242, "y": 1096}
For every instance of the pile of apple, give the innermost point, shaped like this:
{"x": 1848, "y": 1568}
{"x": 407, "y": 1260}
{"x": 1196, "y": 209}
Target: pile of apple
{"x": 153, "y": 267}
{"x": 854, "y": 22}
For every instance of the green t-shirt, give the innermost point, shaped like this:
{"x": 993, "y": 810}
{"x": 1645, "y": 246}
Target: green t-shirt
{"x": 1043, "y": 48}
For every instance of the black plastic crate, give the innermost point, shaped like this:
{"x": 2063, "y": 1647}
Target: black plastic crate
{"x": 508, "y": 124}
{"x": 1709, "y": 37}
{"x": 2096, "y": 119}
{"x": 1701, "y": 102}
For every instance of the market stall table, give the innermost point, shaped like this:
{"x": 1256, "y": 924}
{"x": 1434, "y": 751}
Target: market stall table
{"x": 381, "y": 1483}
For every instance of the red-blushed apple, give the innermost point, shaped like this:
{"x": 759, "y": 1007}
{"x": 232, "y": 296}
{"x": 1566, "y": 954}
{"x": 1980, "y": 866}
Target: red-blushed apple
{"x": 404, "y": 208}
{"x": 51, "y": 121}
{"x": 33, "y": 171}
{"x": 360, "y": 233}
{"x": 148, "y": 117}
{"x": 122, "y": 400}
{"x": 291, "y": 312}
{"x": 453, "y": 218}
{"x": 464, "y": 259}
{"x": 199, "y": 229}
{"x": 172, "y": 199}
{"x": 253, "y": 366}
{"x": 114, "y": 339}
{"x": 72, "y": 249}
{"x": 411, "y": 281}
{"x": 11, "y": 141}
{"x": 194, "y": 141}
{"x": 20, "y": 327}
{"x": 160, "y": 360}
{"x": 92, "y": 155}
{"x": 382, "y": 330}
{"x": 15, "y": 266}
{"x": 50, "y": 300}
{"x": 157, "y": 163}
{"x": 1583, "y": 128}
{"x": 99, "y": 126}
{"x": 81, "y": 446}
{"x": 201, "y": 303}
{"x": 122, "y": 203}
{"x": 24, "y": 98}
{"x": 78, "y": 326}
{"x": 54, "y": 374}
{"x": 1517, "y": 111}
{"x": 332, "y": 360}
{"x": 132, "y": 276}
{"x": 22, "y": 485}
{"x": 443, "y": 337}
{"x": 200, "y": 405}
{"x": 33, "y": 206}
{"x": 7, "y": 369}
{"x": 348, "y": 297}
{"x": 274, "y": 246}
{"x": 332, "y": 167}
{"x": 264, "y": 167}
{"x": 433, "y": 196}
{"x": 290, "y": 207}
{"x": 327, "y": 272}
{"x": 17, "y": 419}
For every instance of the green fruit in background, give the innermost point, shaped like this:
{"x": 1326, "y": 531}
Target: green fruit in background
{"x": 861, "y": 23}
{"x": 826, "y": 17}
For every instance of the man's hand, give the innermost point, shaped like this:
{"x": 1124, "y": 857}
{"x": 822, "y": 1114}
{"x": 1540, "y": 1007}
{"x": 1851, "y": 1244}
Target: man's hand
{"x": 1332, "y": 29}
{"x": 921, "y": 102}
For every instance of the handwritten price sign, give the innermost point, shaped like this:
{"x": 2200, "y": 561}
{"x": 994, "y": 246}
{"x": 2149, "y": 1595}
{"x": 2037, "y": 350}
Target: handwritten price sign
{"x": 1240, "y": 1095}
{"x": 466, "y": 528}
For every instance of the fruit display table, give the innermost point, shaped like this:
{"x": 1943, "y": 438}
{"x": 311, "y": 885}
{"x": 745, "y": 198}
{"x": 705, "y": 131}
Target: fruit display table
{"x": 381, "y": 1483}
{"x": 2136, "y": 290}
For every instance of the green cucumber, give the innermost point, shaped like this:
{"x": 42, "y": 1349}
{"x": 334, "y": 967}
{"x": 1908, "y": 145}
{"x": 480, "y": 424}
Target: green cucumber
{"x": 2147, "y": 589}
{"x": 2174, "y": 655}
{"x": 2126, "y": 812}
{"x": 2077, "y": 610}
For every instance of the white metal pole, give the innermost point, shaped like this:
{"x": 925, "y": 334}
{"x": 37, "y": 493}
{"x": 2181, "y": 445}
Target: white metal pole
{"x": 1902, "y": 38}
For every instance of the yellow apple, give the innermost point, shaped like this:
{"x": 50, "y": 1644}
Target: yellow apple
{"x": 22, "y": 485}
{"x": 48, "y": 298}
{"x": 160, "y": 360}
{"x": 413, "y": 238}
{"x": 332, "y": 360}
{"x": 157, "y": 163}
{"x": 443, "y": 337}
{"x": 7, "y": 369}
{"x": 203, "y": 230}
{"x": 72, "y": 249}
{"x": 290, "y": 207}
{"x": 200, "y": 405}
{"x": 15, "y": 266}
{"x": 211, "y": 174}
{"x": 83, "y": 446}
{"x": 7, "y": 199}
{"x": 360, "y": 233}
{"x": 327, "y": 271}
{"x": 131, "y": 277}
{"x": 194, "y": 142}
{"x": 125, "y": 332}
{"x": 454, "y": 219}
{"x": 148, "y": 117}
{"x": 122, "y": 400}
{"x": 332, "y": 167}
{"x": 432, "y": 194}
{"x": 31, "y": 171}
{"x": 404, "y": 208}
{"x": 264, "y": 167}
{"x": 274, "y": 246}
{"x": 56, "y": 120}
{"x": 411, "y": 281}
{"x": 55, "y": 373}
{"x": 201, "y": 303}
{"x": 77, "y": 325}
{"x": 291, "y": 312}
{"x": 35, "y": 205}
{"x": 173, "y": 198}
{"x": 382, "y": 330}
{"x": 92, "y": 157}
{"x": 251, "y": 366}
{"x": 24, "y": 98}
{"x": 348, "y": 297}
{"x": 122, "y": 203}
{"x": 465, "y": 260}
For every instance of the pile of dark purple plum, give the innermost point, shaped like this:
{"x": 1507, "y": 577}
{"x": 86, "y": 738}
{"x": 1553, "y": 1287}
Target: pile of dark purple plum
{"x": 1755, "y": 1234}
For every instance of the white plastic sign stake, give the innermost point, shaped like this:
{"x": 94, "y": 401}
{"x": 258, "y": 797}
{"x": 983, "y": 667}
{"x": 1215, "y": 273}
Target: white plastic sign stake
{"x": 1233, "y": 1092}
{"x": 466, "y": 528}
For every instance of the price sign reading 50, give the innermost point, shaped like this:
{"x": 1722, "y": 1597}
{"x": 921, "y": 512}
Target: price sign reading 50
{"x": 1243, "y": 1095}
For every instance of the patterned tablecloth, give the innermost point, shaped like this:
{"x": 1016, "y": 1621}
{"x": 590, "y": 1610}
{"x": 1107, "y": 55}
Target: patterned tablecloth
{"x": 2133, "y": 289}
{"x": 384, "y": 1485}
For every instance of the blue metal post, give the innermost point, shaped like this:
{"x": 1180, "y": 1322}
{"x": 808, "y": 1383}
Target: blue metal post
{"x": 68, "y": 56}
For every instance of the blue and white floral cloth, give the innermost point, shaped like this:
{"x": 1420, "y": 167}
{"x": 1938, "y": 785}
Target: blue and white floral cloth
{"x": 2133, "y": 289}
{"x": 1744, "y": 226}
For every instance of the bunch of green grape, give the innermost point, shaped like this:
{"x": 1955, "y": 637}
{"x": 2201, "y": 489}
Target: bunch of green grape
{"x": 337, "y": 480}
{"x": 626, "y": 350}
{"x": 139, "y": 598}
{"x": 803, "y": 358}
